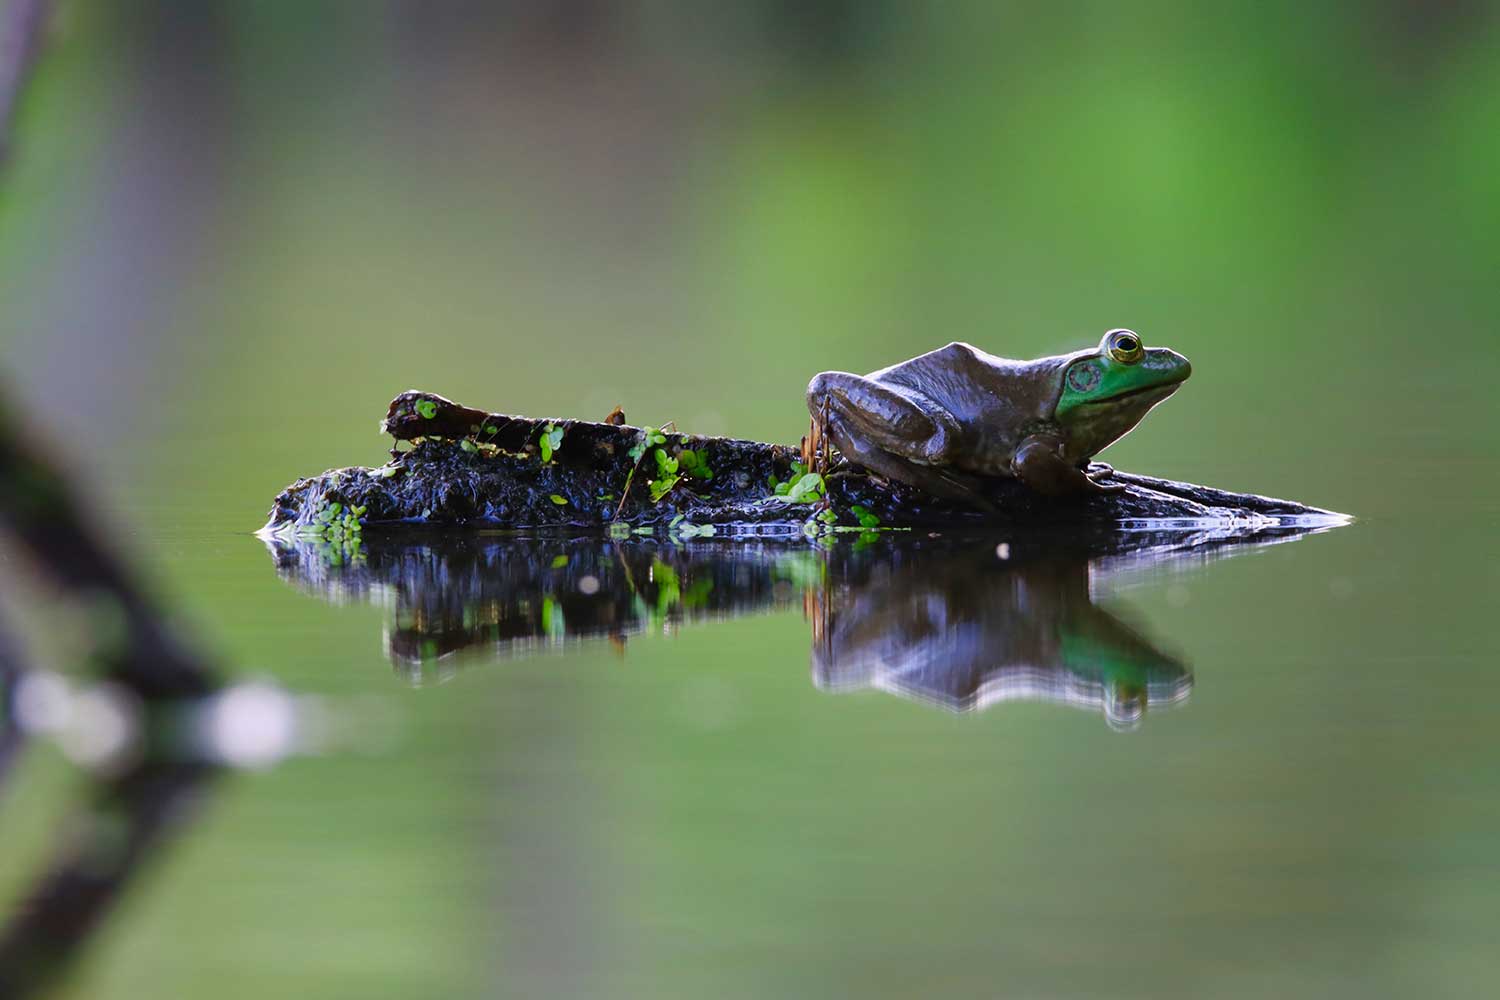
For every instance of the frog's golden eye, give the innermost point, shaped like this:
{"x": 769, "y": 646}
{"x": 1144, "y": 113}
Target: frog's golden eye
{"x": 1124, "y": 346}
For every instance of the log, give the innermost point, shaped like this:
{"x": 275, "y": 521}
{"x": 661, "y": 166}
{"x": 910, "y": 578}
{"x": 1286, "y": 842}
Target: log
{"x": 473, "y": 468}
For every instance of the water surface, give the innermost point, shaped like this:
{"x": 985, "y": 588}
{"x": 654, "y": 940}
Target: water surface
{"x": 1171, "y": 764}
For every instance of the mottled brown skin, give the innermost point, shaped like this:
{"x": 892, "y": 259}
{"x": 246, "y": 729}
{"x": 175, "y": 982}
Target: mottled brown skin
{"x": 947, "y": 420}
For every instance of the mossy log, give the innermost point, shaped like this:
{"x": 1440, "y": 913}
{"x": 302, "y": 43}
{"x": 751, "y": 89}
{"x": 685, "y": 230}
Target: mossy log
{"x": 472, "y": 468}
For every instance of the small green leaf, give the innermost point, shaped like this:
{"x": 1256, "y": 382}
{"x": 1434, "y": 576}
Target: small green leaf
{"x": 782, "y": 489}
{"x": 619, "y": 530}
{"x": 427, "y": 408}
{"x": 661, "y": 487}
{"x": 807, "y": 488}
{"x": 560, "y": 501}
{"x": 549, "y": 441}
{"x": 468, "y": 445}
{"x": 558, "y": 562}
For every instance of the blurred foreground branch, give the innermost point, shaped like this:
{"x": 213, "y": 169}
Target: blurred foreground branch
{"x": 140, "y": 799}
{"x": 143, "y": 797}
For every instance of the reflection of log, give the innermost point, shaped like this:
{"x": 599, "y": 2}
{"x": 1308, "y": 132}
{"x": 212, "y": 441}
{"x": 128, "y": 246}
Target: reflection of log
{"x": 514, "y": 596}
{"x": 950, "y": 620}
{"x": 488, "y": 469}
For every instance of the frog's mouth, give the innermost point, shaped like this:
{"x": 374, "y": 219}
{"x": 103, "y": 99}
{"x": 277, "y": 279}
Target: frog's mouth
{"x": 1151, "y": 393}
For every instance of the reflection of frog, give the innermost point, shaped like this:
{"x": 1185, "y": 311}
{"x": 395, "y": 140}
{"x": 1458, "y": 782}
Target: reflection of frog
{"x": 965, "y": 630}
{"x": 945, "y": 419}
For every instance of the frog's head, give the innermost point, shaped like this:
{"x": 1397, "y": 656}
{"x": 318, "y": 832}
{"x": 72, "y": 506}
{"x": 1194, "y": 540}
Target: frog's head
{"x": 1106, "y": 392}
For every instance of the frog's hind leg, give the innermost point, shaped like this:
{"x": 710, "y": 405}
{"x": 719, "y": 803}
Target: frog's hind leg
{"x": 892, "y": 421}
{"x": 891, "y": 434}
{"x": 944, "y": 483}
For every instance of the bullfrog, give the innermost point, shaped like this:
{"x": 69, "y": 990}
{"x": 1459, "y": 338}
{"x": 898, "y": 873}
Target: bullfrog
{"x": 948, "y": 419}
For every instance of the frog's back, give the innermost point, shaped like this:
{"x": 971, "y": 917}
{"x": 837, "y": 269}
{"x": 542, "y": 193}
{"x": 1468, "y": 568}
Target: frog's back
{"x": 996, "y": 396}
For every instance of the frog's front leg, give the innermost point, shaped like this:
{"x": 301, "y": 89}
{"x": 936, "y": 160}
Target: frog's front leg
{"x": 892, "y": 434}
{"x": 1041, "y": 465}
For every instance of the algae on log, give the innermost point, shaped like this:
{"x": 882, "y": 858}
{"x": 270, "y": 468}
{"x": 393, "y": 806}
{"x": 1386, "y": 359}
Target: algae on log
{"x": 469, "y": 467}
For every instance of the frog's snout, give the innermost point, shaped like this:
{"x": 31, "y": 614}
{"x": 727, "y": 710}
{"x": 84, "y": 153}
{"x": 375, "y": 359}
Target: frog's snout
{"x": 1167, "y": 365}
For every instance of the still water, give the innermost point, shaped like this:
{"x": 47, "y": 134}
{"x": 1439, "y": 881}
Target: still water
{"x": 1231, "y": 761}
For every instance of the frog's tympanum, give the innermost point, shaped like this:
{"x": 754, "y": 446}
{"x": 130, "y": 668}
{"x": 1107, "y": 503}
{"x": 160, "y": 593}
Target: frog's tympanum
{"x": 947, "y": 419}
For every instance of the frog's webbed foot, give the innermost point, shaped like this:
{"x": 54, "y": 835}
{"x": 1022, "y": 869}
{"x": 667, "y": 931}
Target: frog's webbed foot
{"x": 1039, "y": 463}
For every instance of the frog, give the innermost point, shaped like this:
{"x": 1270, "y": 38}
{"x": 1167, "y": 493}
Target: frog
{"x": 953, "y": 420}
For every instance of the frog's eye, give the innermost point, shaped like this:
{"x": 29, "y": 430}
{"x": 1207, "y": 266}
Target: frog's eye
{"x": 1124, "y": 346}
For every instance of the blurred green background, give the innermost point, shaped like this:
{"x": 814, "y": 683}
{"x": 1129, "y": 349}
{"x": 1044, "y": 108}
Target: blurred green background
{"x": 232, "y": 231}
